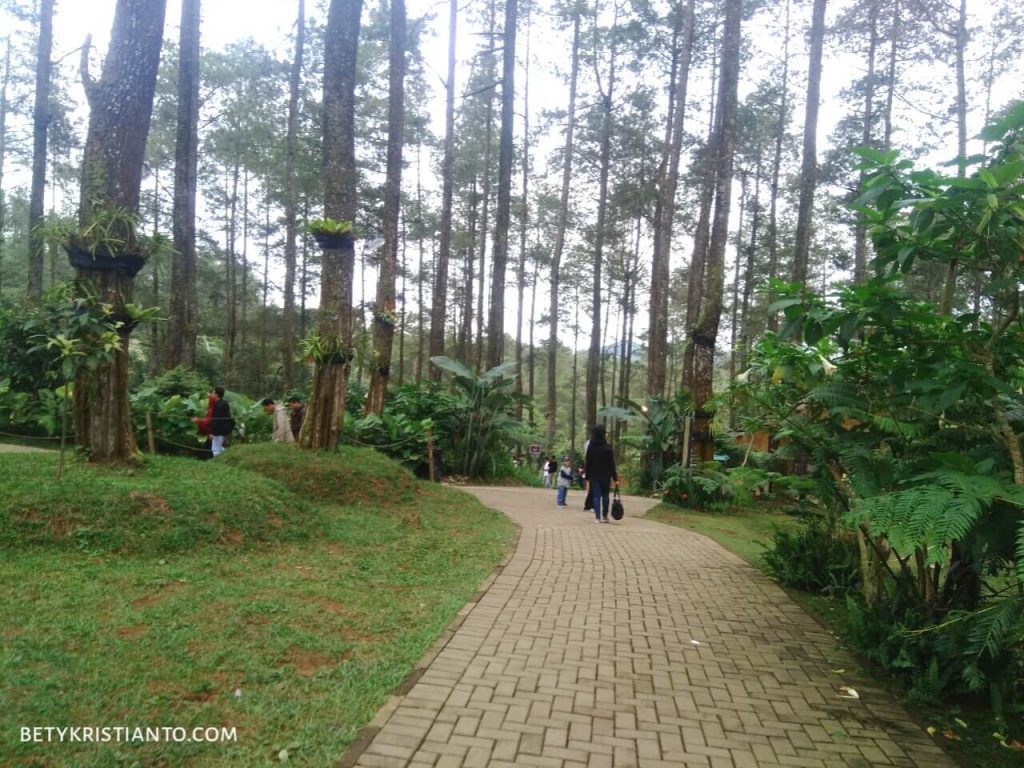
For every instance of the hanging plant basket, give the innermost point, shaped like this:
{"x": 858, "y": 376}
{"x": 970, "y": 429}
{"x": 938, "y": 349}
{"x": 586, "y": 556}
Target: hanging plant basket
{"x": 331, "y": 241}
{"x": 337, "y": 358}
{"x": 126, "y": 264}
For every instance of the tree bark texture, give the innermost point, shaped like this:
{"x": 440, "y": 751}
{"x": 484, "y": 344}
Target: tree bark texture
{"x": 439, "y": 299}
{"x": 120, "y": 106}
{"x": 706, "y": 329}
{"x": 184, "y": 319}
{"x": 668, "y": 182}
{"x": 860, "y": 232}
{"x": 40, "y": 131}
{"x": 558, "y": 247}
{"x": 502, "y": 219}
{"x": 809, "y": 166}
{"x": 386, "y": 313}
{"x": 773, "y": 205}
{"x": 325, "y": 413}
{"x": 597, "y": 292}
{"x": 291, "y": 200}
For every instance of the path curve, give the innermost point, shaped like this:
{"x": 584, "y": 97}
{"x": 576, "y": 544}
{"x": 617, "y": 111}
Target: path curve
{"x": 634, "y": 644}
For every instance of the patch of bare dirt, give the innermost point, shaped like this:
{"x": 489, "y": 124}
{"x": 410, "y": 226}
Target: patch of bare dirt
{"x": 160, "y": 595}
{"x": 133, "y": 631}
{"x": 308, "y": 662}
{"x": 232, "y": 537}
{"x": 149, "y": 504}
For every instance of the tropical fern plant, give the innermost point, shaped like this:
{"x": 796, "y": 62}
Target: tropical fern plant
{"x": 482, "y": 427}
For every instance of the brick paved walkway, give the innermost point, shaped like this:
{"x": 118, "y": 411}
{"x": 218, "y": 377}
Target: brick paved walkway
{"x": 634, "y": 644}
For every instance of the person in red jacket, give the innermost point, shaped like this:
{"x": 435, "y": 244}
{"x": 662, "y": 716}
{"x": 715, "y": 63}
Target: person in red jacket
{"x": 205, "y": 426}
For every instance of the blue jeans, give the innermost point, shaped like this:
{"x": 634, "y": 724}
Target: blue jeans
{"x": 563, "y": 491}
{"x": 599, "y": 498}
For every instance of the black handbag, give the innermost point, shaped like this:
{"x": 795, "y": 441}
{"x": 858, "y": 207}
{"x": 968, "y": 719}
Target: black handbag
{"x": 617, "y": 509}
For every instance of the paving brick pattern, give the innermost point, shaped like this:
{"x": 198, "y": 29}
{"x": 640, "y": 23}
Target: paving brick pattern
{"x": 635, "y": 644}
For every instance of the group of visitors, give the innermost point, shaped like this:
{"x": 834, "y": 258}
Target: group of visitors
{"x": 218, "y": 422}
{"x": 287, "y": 421}
{"x": 599, "y": 475}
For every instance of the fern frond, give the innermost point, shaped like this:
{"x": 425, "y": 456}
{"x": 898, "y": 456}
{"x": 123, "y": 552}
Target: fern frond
{"x": 996, "y": 628}
{"x": 837, "y": 394}
{"x": 1020, "y": 551}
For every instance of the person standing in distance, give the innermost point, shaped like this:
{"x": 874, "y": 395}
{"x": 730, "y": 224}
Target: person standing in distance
{"x": 564, "y": 481}
{"x": 221, "y": 423}
{"x": 282, "y": 428}
{"x": 298, "y": 413}
{"x": 599, "y": 465}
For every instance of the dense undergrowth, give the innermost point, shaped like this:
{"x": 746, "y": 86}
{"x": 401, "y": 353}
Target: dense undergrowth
{"x": 281, "y": 604}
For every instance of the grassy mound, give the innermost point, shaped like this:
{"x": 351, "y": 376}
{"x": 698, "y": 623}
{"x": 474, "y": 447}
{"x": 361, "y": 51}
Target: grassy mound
{"x": 163, "y": 506}
{"x": 296, "y": 643}
{"x": 350, "y": 476}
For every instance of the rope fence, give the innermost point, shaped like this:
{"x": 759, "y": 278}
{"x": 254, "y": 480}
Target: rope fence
{"x": 165, "y": 440}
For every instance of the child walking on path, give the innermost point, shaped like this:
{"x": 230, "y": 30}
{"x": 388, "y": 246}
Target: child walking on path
{"x": 565, "y": 478}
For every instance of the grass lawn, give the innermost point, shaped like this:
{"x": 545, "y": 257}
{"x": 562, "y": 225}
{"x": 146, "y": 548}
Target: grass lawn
{"x": 291, "y": 624}
{"x": 745, "y": 531}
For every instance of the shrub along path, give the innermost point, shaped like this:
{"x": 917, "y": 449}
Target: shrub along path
{"x": 635, "y": 644}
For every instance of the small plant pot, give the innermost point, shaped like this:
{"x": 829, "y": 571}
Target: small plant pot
{"x": 332, "y": 241}
{"x": 338, "y": 358}
{"x": 127, "y": 264}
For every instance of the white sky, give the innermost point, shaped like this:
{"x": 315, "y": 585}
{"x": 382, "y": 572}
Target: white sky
{"x": 270, "y": 23}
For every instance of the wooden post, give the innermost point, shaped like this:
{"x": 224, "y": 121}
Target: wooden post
{"x": 685, "y": 453}
{"x": 430, "y": 455}
{"x": 149, "y": 432}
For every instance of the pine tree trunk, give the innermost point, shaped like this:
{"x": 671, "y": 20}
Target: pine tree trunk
{"x": 485, "y": 204}
{"x": 809, "y": 166}
{"x": 960, "y": 49}
{"x": 325, "y": 413}
{"x": 4, "y": 83}
{"x": 120, "y": 106}
{"x": 439, "y": 299}
{"x": 184, "y": 319}
{"x": 499, "y": 262}
{"x": 291, "y": 202}
{"x": 385, "y": 308}
{"x": 243, "y": 262}
{"x": 748, "y": 272}
{"x": 890, "y": 79}
{"x": 231, "y": 274}
{"x": 496, "y": 320}
{"x": 597, "y": 292}
{"x": 773, "y": 206}
{"x": 559, "y": 245}
{"x": 465, "y": 340}
{"x": 668, "y": 182}
{"x": 706, "y": 330}
{"x": 701, "y": 236}
{"x": 860, "y": 231}
{"x": 523, "y": 222}
{"x": 40, "y": 131}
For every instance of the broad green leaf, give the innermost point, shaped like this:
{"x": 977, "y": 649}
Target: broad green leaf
{"x": 452, "y": 366}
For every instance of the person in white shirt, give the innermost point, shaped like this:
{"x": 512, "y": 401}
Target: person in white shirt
{"x": 282, "y": 426}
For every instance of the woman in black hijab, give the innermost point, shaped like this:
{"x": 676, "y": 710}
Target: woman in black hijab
{"x": 599, "y": 465}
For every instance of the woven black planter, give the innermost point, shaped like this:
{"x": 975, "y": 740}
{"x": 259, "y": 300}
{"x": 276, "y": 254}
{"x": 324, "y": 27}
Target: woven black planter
{"x": 338, "y": 358}
{"x": 332, "y": 241}
{"x": 127, "y": 264}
